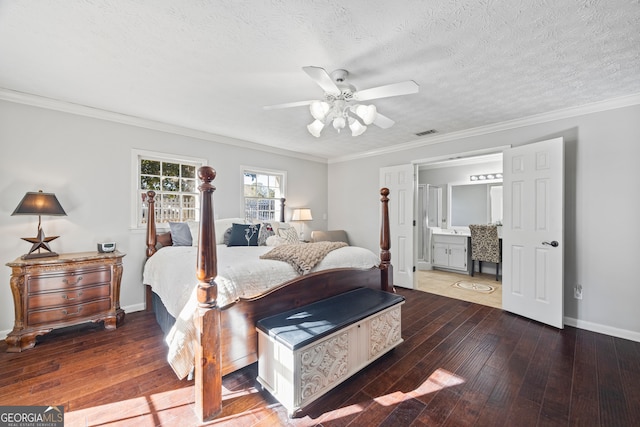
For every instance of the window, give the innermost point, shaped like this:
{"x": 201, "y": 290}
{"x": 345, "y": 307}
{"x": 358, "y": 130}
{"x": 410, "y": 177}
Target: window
{"x": 175, "y": 181}
{"x": 262, "y": 191}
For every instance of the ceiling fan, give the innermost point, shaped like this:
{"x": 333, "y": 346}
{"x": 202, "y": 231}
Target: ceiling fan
{"x": 341, "y": 105}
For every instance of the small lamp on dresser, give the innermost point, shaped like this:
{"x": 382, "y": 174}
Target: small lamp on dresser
{"x": 39, "y": 203}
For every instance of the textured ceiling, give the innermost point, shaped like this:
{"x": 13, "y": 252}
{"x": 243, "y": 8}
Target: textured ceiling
{"x": 212, "y": 65}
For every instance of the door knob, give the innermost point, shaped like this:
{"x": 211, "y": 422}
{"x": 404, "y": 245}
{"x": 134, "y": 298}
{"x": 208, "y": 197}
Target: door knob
{"x": 553, "y": 243}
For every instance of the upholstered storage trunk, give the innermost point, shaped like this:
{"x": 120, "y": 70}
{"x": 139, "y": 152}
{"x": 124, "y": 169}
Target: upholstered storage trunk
{"x": 304, "y": 353}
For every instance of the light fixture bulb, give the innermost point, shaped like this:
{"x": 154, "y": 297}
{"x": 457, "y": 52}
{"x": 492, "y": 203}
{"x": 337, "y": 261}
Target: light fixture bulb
{"x": 367, "y": 113}
{"x": 319, "y": 109}
{"x": 315, "y": 128}
{"x": 339, "y": 123}
{"x": 356, "y": 127}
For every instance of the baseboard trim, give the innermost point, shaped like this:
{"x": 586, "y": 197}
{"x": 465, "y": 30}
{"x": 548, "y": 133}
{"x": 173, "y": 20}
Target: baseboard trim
{"x": 602, "y": 329}
{"x": 134, "y": 307}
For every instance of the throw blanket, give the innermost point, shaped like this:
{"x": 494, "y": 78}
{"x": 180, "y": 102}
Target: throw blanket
{"x": 302, "y": 257}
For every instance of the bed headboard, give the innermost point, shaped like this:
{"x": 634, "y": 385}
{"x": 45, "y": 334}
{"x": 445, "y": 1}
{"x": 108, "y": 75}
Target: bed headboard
{"x": 156, "y": 241}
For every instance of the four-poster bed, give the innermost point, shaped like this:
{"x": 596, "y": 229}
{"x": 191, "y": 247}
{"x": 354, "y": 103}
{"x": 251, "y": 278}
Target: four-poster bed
{"x": 225, "y": 337}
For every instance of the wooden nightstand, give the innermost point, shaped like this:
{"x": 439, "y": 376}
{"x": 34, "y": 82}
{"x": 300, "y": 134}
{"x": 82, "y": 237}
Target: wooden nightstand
{"x": 69, "y": 289}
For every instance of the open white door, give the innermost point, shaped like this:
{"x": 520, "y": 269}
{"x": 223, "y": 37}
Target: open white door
{"x": 400, "y": 182}
{"x": 533, "y": 231}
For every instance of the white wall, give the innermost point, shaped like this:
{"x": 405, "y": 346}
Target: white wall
{"x": 602, "y": 202}
{"x": 86, "y": 163}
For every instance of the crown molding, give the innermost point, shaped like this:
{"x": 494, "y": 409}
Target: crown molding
{"x": 83, "y": 110}
{"x": 596, "y": 107}
{"x": 96, "y": 113}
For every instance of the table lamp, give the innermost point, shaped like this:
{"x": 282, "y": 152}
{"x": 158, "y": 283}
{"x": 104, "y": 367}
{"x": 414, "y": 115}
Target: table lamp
{"x": 301, "y": 214}
{"x": 39, "y": 203}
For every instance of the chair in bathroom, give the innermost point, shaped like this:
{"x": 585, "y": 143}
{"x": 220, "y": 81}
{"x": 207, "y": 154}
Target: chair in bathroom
{"x": 485, "y": 246}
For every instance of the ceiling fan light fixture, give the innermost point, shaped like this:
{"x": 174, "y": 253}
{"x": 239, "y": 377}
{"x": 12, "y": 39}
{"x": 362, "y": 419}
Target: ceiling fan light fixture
{"x": 356, "y": 127}
{"x": 367, "y": 113}
{"x": 319, "y": 110}
{"x": 315, "y": 128}
{"x": 337, "y": 106}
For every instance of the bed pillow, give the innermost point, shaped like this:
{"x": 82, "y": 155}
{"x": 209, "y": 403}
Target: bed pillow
{"x": 227, "y": 236}
{"x": 164, "y": 239}
{"x": 278, "y": 224}
{"x": 221, "y": 226}
{"x": 266, "y": 231}
{"x": 244, "y": 235}
{"x": 289, "y": 234}
{"x": 180, "y": 234}
{"x": 194, "y": 227}
{"x": 275, "y": 241}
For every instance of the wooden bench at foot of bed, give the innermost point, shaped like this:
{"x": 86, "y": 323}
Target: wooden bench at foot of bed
{"x": 306, "y": 352}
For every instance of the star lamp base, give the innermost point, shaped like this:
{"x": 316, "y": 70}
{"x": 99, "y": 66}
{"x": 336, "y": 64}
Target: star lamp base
{"x": 39, "y": 255}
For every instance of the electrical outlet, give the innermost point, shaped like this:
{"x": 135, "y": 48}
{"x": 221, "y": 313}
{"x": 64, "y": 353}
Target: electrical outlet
{"x": 577, "y": 292}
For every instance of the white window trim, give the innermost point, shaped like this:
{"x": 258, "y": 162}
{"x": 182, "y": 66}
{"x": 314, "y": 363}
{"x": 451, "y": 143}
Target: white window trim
{"x": 245, "y": 168}
{"x": 135, "y": 156}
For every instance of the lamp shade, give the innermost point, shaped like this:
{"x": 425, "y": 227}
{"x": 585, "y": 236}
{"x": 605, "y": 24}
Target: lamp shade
{"x": 367, "y": 113}
{"x": 39, "y": 203}
{"x": 319, "y": 110}
{"x": 356, "y": 127}
{"x": 301, "y": 214}
{"x": 315, "y": 128}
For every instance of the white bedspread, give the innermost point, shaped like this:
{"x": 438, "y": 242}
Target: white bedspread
{"x": 171, "y": 272}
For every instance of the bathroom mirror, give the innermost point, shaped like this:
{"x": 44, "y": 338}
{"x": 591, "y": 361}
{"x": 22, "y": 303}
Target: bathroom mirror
{"x": 475, "y": 203}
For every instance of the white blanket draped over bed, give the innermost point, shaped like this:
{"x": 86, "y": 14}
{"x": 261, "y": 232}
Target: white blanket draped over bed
{"x": 171, "y": 273}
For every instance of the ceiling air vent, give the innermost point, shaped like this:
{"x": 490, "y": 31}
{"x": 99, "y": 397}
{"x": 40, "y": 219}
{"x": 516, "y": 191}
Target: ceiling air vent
{"x": 426, "y": 132}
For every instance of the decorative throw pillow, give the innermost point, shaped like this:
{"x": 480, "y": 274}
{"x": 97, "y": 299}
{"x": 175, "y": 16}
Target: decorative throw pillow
{"x": 289, "y": 234}
{"x": 275, "y": 241}
{"x": 227, "y": 236}
{"x": 194, "y": 227}
{"x": 180, "y": 234}
{"x": 222, "y": 224}
{"x": 266, "y": 231}
{"x": 244, "y": 235}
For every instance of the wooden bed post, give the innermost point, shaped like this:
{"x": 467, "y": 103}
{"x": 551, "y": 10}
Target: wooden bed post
{"x": 208, "y": 355}
{"x": 282, "y": 200}
{"x": 151, "y": 223}
{"x": 386, "y": 269}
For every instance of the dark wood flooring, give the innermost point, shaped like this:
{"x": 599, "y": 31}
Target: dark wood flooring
{"x": 461, "y": 364}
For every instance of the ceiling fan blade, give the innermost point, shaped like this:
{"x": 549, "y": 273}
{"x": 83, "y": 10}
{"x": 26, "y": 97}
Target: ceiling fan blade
{"x": 402, "y": 88}
{"x": 323, "y": 79}
{"x": 287, "y": 105}
{"x": 383, "y": 122}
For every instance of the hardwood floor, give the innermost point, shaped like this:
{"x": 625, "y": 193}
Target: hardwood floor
{"x": 461, "y": 364}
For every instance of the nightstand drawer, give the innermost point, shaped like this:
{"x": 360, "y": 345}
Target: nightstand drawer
{"x": 69, "y": 312}
{"x": 79, "y": 278}
{"x": 71, "y": 296}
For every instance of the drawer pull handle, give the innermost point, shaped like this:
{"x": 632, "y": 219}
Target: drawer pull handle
{"x": 66, "y": 281}
{"x": 66, "y": 313}
{"x": 79, "y": 294}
